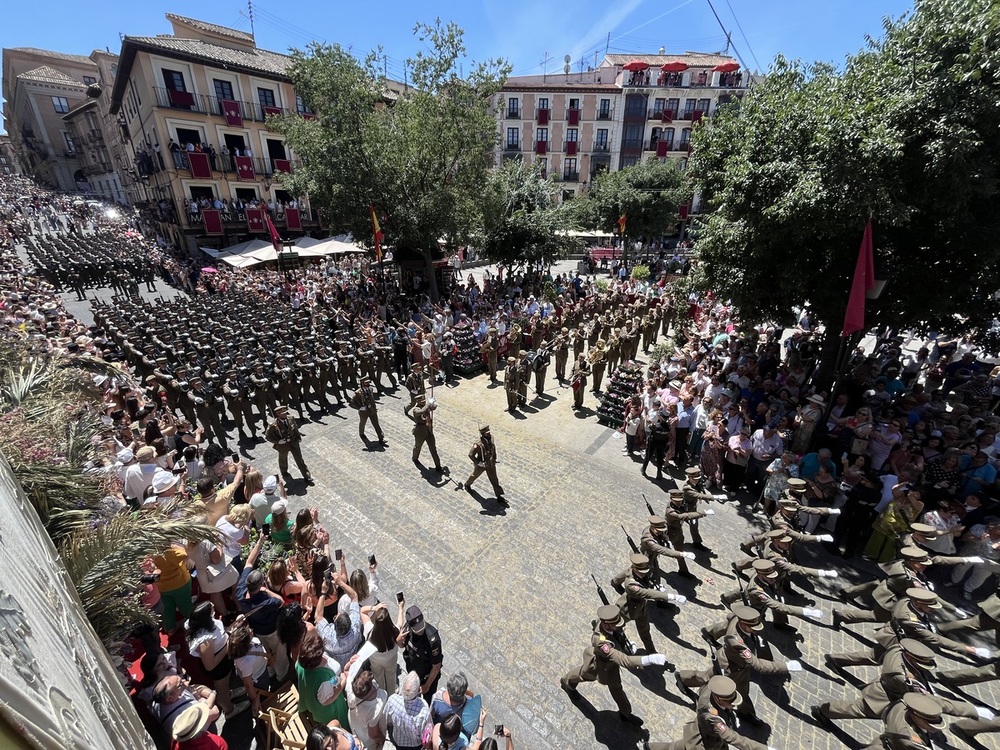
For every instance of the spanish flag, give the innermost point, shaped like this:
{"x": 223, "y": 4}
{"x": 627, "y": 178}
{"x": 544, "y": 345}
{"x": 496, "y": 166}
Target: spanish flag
{"x": 377, "y": 233}
{"x": 621, "y": 224}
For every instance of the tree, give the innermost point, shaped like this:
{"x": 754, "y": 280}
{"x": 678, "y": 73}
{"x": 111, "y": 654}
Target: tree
{"x": 520, "y": 223}
{"x": 905, "y": 136}
{"x": 647, "y": 194}
{"x": 420, "y": 157}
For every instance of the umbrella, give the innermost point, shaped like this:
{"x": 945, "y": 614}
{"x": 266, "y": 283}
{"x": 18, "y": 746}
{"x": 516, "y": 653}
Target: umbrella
{"x": 635, "y": 65}
{"x": 209, "y": 269}
{"x": 674, "y": 67}
{"x": 728, "y": 67}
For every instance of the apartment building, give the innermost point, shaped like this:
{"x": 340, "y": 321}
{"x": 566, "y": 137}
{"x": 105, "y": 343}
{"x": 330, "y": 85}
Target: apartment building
{"x": 191, "y": 110}
{"x": 627, "y": 109}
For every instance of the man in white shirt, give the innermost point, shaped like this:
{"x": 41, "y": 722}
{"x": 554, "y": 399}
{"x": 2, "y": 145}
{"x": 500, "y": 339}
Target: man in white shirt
{"x": 137, "y": 476}
{"x": 366, "y": 709}
{"x": 765, "y": 446}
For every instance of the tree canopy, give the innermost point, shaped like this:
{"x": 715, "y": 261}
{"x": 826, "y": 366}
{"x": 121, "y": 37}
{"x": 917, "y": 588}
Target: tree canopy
{"x": 420, "y": 156}
{"x": 520, "y": 221}
{"x": 904, "y": 135}
{"x": 648, "y": 194}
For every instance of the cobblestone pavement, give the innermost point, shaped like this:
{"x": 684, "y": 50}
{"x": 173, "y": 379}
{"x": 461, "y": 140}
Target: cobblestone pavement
{"x": 510, "y": 589}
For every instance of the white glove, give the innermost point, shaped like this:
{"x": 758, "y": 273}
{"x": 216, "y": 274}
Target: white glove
{"x": 974, "y": 559}
{"x": 721, "y": 497}
{"x": 834, "y": 512}
{"x": 793, "y": 666}
{"x": 817, "y": 614}
{"x": 826, "y": 537}
{"x": 708, "y": 512}
{"x": 828, "y": 574}
{"x": 982, "y": 653}
{"x": 984, "y": 713}
{"x": 677, "y": 599}
{"x": 657, "y": 659}
{"x": 689, "y": 555}
{"x": 961, "y": 613}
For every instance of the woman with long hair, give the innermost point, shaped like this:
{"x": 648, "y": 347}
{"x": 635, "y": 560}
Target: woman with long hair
{"x": 309, "y": 538}
{"x": 208, "y": 640}
{"x": 320, "y": 585}
{"x": 285, "y": 580}
{"x": 383, "y": 637}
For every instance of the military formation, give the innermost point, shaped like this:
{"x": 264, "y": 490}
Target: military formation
{"x": 908, "y": 697}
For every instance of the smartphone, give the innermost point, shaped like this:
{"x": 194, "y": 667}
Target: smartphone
{"x": 399, "y": 597}
{"x": 371, "y": 560}
{"x": 338, "y": 554}
{"x": 266, "y": 529}
{"x": 236, "y": 458}
{"x": 498, "y": 730}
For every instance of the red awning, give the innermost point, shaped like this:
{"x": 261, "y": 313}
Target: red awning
{"x": 635, "y": 65}
{"x": 728, "y": 67}
{"x": 674, "y": 67}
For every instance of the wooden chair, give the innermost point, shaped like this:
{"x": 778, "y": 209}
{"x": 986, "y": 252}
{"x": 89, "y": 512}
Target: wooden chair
{"x": 291, "y": 729}
{"x": 285, "y": 701}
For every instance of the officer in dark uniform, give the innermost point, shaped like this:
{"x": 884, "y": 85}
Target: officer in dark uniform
{"x": 603, "y": 659}
{"x": 422, "y": 651}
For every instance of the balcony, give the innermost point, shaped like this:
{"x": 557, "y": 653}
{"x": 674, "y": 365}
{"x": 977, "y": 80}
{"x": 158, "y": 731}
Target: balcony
{"x": 264, "y": 167}
{"x": 683, "y": 146}
{"x": 570, "y": 176}
{"x": 655, "y": 114}
{"x": 95, "y": 136}
{"x": 212, "y": 105}
{"x": 515, "y": 146}
{"x": 573, "y": 116}
{"x": 601, "y": 147}
{"x": 542, "y": 115}
{"x": 604, "y": 114}
{"x": 541, "y": 147}
{"x": 570, "y": 148}
{"x": 183, "y": 100}
{"x": 514, "y": 114}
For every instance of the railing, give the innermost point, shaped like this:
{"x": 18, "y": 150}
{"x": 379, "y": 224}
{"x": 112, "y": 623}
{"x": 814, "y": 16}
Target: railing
{"x": 604, "y": 114}
{"x": 236, "y": 219}
{"x": 653, "y": 143}
{"x": 263, "y": 166}
{"x": 683, "y": 146}
{"x": 676, "y": 81}
{"x": 571, "y": 176}
{"x": 513, "y": 114}
{"x": 512, "y": 147}
{"x": 601, "y": 147}
{"x": 212, "y": 105}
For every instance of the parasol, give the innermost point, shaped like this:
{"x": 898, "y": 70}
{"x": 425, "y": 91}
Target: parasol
{"x": 728, "y": 67}
{"x": 674, "y": 67}
{"x": 209, "y": 269}
{"x": 635, "y": 65}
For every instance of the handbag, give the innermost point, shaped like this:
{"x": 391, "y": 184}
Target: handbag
{"x": 858, "y": 446}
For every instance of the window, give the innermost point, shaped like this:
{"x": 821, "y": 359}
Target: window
{"x": 266, "y": 97}
{"x": 173, "y": 80}
{"x": 61, "y": 104}
{"x": 513, "y": 139}
{"x": 659, "y": 105}
{"x": 70, "y": 146}
{"x": 685, "y": 136}
{"x": 223, "y": 89}
{"x": 635, "y": 106}
{"x": 513, "y": 107}
{"x": 668, "y": 136}
{"x": 89, "y": 80}
{"x": 601, "y": 140}
{"x": 604, "y": 111}
{"x": 572, "y": 135}
{"x": 302, "y": 107}
{"x": 543, "y": 163}
{"x": 543, "y": 102}
{"x": 703, "y": 106}
{"x": 689, "y": 107}
{"x": 629, "y": 161}
{"x": 574, "y": 104}
{"x": 633, "y": 136}
{"x": 569, "y": 169}
{"x": 674, "y": 106}
{"x": 542, "y": 135}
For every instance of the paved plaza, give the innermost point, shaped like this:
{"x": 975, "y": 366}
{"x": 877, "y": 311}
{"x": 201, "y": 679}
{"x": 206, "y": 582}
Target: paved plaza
{"x": 510, "y": 588}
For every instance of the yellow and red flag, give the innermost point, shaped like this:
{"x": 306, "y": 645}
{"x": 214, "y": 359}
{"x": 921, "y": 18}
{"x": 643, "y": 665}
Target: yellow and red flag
{"x": 621, "y": 224}
{"x": 377, "y": 233}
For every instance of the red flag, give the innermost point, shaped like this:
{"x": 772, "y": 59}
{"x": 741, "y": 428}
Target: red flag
{"x": 377, "y": 233}
{"x": 275, "y": 239}
{"x": 622, "y": 222}
{"x": 864, "y": 279}
{"x": 232, "y": 112}
{"x": 213, "y": 220}
{"x": 255, "y": 220}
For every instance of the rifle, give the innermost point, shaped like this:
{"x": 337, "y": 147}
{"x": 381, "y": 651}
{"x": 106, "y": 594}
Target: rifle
{"x": 631, "y": 541}
{"x": 648, "y": 506}
{"x": 762, "y": 645}
{"x": 716, "y": 667}
{"x": 739, "y": 580}
{"x": 600, "y": 591}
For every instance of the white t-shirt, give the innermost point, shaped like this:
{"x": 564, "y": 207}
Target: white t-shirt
{"x": 231, "y": 536}
{"x": 367, "y": 715}
{"x": 254, "y": 663}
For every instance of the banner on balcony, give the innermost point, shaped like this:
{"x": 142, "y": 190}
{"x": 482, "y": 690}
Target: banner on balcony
{"x": 283, "y": 165}
{"x": 180, "y": 98}
{"x": 231, "y": 111}
{"x": 255, "y": 220}
{"x": 213, "y": 220}
{"x": 244, "y": 168}
{"x": 293, "y": 219}
{"x": 200, "y": 166}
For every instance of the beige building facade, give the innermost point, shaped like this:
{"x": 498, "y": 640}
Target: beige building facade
{"x": 208, "y": 89}
{"x": 578, "y": 124}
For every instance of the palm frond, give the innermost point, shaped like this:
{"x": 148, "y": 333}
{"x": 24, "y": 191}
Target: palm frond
{"x": 20, "y": 382}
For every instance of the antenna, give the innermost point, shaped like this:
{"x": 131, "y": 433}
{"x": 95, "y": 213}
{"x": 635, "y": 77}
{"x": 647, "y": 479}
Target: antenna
{"x": 545, "y": 66}
{"x": 250, "y": 14}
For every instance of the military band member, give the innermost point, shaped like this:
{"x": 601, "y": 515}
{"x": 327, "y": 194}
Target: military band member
{"x": 490, "y": 347}
{"x": 561, "y": 346}
{"x": 578, "y": 380}
{"x": 541, "y": 365}
{"x": 523, "y": 376}
{"x": 511, "y": 383}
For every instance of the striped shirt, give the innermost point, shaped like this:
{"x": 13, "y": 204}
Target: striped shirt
{"x": 407, "y": 720}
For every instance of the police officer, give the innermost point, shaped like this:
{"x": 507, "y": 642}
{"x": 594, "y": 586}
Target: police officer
{"x": 604, "y": 658}
{"x": 422, "y": 652}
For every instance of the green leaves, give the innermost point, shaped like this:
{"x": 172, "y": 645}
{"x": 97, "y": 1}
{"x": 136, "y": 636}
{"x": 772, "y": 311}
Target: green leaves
{"x": 647, "y": 194}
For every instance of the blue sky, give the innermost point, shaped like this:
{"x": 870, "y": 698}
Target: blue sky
{"x": 523, "y": 31}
